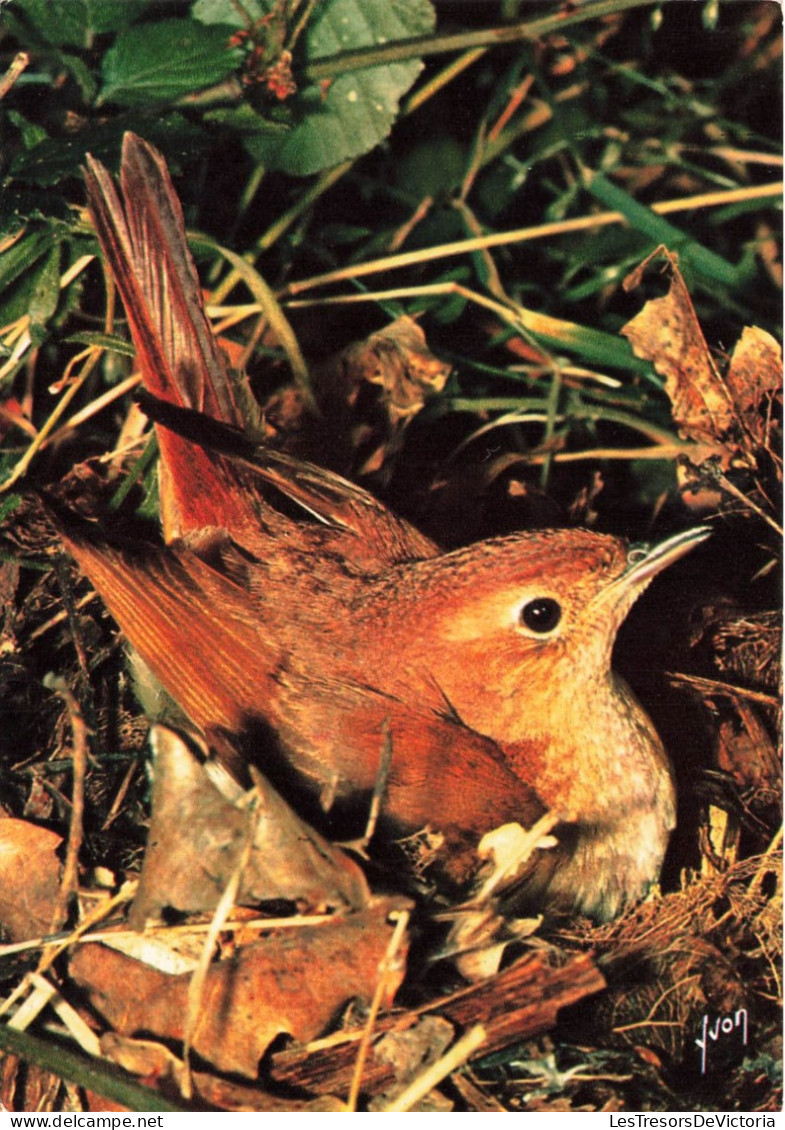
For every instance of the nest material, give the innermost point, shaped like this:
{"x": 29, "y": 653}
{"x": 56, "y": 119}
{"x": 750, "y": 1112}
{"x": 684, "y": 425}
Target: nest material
{"x": 710, "y": 949}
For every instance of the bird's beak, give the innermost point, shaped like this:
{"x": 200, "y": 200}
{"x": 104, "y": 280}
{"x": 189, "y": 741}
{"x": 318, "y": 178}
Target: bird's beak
{"x": 645, "y": 561}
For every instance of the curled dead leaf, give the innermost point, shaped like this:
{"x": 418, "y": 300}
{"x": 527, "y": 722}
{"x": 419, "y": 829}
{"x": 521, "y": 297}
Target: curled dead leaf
{"x": 755, "y": 374}
{"x": 294, "y": 982}
{"x": 667, "y": 333}
{"x": 200, "y": 827}
{"x": 374, "y": 388}
{"x": 29, "y": 879}
{"x": 724, "y": 415}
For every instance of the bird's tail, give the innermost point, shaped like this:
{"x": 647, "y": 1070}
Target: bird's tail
{"x": 142, "y": 234}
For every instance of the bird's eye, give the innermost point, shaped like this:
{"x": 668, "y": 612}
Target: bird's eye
{"x": 541, "y": 614}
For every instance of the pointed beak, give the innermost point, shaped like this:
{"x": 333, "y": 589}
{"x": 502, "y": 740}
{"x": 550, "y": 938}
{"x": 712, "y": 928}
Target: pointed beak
{"x": 645, "y": 561}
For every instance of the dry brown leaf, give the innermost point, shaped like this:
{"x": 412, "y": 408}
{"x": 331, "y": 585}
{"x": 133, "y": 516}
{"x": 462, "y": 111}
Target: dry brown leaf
{"x": 745, "y": 750}
{"x": 198, "y": 835}
{"x": 514, "y": 1005}
{"x": 667, "y": 333}
{"x": 755, "y": 373}
{"x": 226, "y": 1094}
{"x": 726, "y": 417}
{"x": 29, "y": 879}
{"x": 480, "y": 934}
{"x": 372, "y": 389}
{"x": 26, "y": 1086}
{"x": 294, "y": 982}
{"x": 743, "y": 746}
{"x": 398, "y": 361}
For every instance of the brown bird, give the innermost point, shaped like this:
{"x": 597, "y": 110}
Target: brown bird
{"x": 317, "y": 641}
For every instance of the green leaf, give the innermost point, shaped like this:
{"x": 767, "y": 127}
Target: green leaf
{"x": 712, "y": 268}
{"x": 54, "y": 159}
{"x": 21, "y": 255}
{"x": 164, "y": 61}
{"x": 82, "y": 75}
{"x": 74, "y": 23}
{"x": 86, "y": 1071}
{"x": 105, "y": 341}
{"x": 357, "y": 110}
{"x": 31, "y": 133}
{"x": 45, "y": 296}
{"x": 8, "y": 505}
{"x": 228, "y": 12}
{"x": 243, "y": 120}
{"x": 594, "y": 347}
{"x": 434, "y": 166}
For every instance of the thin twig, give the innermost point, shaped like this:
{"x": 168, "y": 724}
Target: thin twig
{"x": 734, "y": 491}
{"x": 117, "y": 392}
{"x": 298, "y": 922}
{"x": 21, "y": 467}
{"x": 457, "y": 1055}
{"x": 757, "y": 878}
{"x": 437, "y": 44}
{"x": 715, "y": 686}
{"x": 523, "y": 235}
{"x": 18, "y": 65}
{"x": 385, "y": 967}
{"x": 70, "y": 879}
{"x": 120, "y": 796}
{"x": 228, "y": 899}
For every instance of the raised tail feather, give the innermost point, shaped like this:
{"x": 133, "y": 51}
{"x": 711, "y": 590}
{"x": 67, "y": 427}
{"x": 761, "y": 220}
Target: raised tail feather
{"x": 142, "y": 234}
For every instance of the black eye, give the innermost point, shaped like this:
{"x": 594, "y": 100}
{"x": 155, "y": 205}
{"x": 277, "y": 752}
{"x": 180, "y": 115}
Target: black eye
{"x": 541, "y": 614}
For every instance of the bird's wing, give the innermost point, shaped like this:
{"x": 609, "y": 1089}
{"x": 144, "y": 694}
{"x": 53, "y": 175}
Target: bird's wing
{"x": 311, "y": 728}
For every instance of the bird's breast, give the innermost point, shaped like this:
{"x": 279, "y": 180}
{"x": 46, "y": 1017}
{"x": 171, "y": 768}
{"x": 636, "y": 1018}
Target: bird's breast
{"x": 611, "y": 783}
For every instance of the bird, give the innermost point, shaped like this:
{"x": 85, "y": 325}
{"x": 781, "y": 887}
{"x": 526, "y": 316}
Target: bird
{"x": 287, "y": 612}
